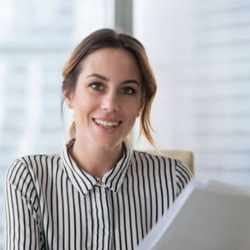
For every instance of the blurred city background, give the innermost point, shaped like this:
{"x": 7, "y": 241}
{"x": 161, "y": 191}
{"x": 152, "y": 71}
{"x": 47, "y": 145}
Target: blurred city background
{"x": 199, "y": 51}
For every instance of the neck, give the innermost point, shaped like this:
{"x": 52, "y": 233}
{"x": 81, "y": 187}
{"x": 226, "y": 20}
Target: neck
{"x": 95, "y": 161}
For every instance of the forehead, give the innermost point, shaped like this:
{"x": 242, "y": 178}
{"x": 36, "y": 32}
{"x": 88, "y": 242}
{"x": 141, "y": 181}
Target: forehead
{"x": 111, "y": 61}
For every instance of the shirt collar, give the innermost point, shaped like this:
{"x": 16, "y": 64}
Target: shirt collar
{"x": 84, "y": 182}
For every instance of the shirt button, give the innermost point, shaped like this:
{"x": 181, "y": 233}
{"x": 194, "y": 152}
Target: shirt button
{"x": 100, "y": 182}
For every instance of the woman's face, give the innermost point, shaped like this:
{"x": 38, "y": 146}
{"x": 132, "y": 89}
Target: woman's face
{"x": 106, "y": 100}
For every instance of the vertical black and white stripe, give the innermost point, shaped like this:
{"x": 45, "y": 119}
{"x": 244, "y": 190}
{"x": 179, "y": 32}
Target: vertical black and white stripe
{"x": 53, "y": 204}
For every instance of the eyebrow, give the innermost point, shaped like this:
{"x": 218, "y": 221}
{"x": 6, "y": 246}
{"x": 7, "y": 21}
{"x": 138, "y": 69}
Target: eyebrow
{"x": 106, "y": 79}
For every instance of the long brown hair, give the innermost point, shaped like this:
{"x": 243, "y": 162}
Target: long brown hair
{"x": 108, "y": 38}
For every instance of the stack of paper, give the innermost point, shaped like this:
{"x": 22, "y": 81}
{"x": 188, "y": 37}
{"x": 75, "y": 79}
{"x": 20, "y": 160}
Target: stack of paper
{"x": 206, "y": 216}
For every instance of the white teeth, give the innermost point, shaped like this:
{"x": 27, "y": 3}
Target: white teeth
{"x": 106, "y": 124}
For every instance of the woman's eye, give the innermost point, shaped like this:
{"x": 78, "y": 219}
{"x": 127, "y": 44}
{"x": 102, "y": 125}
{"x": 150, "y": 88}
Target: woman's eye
{"x": 128, "y": 91}
{"x": 96, "y": 86}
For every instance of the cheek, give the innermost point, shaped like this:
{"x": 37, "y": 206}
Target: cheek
{"x": 132, "y": 112}
{"x": 134, "y": 107}
{"x": 83, "y": 110}
{"x": 85, "y": 103}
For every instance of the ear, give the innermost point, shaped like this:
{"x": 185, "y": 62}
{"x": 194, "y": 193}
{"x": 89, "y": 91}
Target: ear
{"x": 139, "y": 113}
{"x": 68, "y": 97}
{"x": 140, "y": 109}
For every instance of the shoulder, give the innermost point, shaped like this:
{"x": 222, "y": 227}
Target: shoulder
{"x": 173, "y": 166}
{"x": 155, "y": 159}
{"x": 28, "y": 168}
{"x": 139, "y": 155}
{"x": 161, "y": 171}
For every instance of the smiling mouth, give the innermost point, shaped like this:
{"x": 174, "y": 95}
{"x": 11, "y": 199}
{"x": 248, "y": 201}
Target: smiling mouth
{"x": 106, "y": 124}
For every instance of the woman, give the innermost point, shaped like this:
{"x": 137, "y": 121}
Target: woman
{"x": 99, "y": 193}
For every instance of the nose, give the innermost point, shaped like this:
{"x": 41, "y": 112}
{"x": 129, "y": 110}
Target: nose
{"x": 110, "y": 102}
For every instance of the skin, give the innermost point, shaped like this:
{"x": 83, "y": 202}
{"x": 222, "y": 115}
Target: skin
{"x": 108, "y": 89}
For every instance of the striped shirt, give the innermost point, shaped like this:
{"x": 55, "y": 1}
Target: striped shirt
{"x": 52, "y": 204}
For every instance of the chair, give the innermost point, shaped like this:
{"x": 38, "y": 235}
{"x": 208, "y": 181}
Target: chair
{"x": 186, "y": 157}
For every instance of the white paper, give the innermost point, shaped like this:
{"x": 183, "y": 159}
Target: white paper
{"x": 207, "y": 216}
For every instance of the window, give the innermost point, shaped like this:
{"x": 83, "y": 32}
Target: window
{"x": 200, "y": 53}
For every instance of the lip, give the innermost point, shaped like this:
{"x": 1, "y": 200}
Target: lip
{"x": 107, "y": 130}
{"x": 107, "y": 119}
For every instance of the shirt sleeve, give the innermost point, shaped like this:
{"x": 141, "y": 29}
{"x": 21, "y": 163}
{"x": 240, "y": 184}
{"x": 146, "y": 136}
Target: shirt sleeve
{"x": 182, "y": 176}
{"x": 22, "y": 229}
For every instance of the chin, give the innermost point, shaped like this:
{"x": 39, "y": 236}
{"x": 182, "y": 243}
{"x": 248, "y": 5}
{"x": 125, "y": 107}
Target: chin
{"x": 107, "y": 145}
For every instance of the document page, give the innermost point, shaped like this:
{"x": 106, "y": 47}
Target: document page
{"x": 205, "y": 217}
